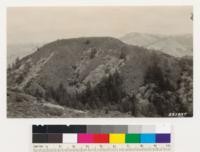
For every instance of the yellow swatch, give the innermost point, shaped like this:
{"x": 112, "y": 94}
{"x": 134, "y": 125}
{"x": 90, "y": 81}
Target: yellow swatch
{"x": 117, "y": 138}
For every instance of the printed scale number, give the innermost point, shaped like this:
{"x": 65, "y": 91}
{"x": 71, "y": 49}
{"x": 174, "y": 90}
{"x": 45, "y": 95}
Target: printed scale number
{"x": 102, "y": 148}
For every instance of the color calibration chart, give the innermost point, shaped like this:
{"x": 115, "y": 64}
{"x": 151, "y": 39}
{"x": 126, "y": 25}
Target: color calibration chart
{"x": 102, "y": 138}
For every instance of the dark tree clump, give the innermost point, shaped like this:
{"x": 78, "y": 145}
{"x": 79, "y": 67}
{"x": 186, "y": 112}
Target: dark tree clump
{"x": 155, "y": 75}
{"x": 109, "y": 91}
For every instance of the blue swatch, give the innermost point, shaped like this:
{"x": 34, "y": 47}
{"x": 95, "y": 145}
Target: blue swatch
{"x": 148, "y": 138}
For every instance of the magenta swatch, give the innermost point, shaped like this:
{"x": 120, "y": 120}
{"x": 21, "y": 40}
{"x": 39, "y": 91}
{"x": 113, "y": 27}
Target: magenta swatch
{"x": 85, "y": 138}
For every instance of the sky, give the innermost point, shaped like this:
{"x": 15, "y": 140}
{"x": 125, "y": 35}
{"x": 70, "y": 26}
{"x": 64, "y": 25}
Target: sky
{"x": 44, "y": 24}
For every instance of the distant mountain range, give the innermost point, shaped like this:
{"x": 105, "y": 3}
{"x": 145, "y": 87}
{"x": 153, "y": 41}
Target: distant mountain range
{"x": 178, "y": 46}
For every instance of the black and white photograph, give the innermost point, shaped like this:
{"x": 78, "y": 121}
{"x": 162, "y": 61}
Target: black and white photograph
{"x": 100, "y": 61}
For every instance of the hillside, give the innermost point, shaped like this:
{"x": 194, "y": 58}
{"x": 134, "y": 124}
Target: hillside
{"x": 178, "y": 46}
{"x": 20, "y": 50}
{"x": 93, "y": 73}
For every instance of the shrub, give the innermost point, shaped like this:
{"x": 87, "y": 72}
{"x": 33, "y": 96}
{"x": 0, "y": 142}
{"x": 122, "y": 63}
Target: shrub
{"x": 122, "y": 55}
{"x": 17, "y": 63}
{"x": 19, "y": 79}
{"x": 93, "y": 53}
{"x": 87, "y": 42}
{"x": 125, "y": 106}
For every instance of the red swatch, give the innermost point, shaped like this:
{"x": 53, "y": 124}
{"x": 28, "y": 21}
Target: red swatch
{"x": 100, "y": 138}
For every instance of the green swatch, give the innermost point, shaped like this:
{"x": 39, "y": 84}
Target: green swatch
{"x": 132, "y": 138}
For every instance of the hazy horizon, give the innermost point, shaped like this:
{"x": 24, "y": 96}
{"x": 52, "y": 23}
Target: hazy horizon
{"x": 45, "y": 24}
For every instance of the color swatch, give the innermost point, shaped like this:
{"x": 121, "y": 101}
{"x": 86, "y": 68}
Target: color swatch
{"x": 112, "y": 134}
{"x": 117, "y": 138}
{"x": 132, "y": 138}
